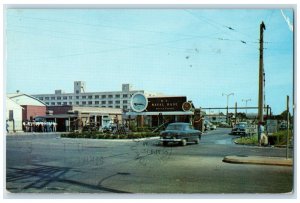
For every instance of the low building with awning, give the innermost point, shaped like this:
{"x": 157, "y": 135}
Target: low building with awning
{"x": 72, "y": 118}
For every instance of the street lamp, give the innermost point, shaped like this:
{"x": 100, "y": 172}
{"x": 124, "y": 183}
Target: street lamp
{"x": 227, "y": 104}
{"x": 246, "y": 101}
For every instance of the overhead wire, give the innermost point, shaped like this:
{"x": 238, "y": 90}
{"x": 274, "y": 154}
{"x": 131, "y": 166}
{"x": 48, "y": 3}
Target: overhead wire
{"x": 120, "y": 49}
{"x": 229, "y": 29}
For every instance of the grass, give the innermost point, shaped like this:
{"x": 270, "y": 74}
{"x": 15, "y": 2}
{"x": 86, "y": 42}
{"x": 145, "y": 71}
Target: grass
{"x": 278, "y": 138}
{"x": 251, "y": 140}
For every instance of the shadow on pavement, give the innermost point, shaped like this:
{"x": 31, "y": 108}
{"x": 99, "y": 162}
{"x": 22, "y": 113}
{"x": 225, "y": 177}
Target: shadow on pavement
{"x": 41, "y": 176}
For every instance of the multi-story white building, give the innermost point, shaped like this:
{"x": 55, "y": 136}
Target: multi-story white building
{"x": 114, "y": 99}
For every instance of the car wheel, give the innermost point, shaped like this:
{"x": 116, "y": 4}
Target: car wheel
{"x": 183, "y": 142}
{"x": 197, "y": 141}
{"x": 165, "y": 143}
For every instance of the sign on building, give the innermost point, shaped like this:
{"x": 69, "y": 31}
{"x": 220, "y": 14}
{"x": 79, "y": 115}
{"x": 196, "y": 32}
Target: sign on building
{"x": 156, "y": 104}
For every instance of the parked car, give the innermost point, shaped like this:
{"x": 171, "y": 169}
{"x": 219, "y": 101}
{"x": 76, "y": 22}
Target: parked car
{"x": 180, "y": 133}
{"x": 206, "y": 125}
{"x": 224, "y": 125}
{"x": 283, "y": 126}
{"x": 239, "y": 128}
{"x": 212, "y": 126}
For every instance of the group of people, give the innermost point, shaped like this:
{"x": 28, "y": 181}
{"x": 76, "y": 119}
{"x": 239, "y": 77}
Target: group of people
{"x": 39, "y": 126}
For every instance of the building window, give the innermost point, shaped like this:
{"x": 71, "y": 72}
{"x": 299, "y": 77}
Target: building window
{"x": 47, "y": 103}
{"x": 41, "y": 98}
{"x": 70, "y": 103}
{"x": 124, "y": 101}
{"x": 58, "y": 103}
{"x": 77, "y": 91}
{"x": 83, "y": 97}
{"x": 77, "y": 97}
{"x": 90, "y": 102}
{"x": 103, "y": 96}
{"x": 125, "y": 95}
{"x": 103, "y": 106}
{"x": 103, "y": 102}
{"x": 125, "y": 107}
{"x": 96, "y": 102}
{"x": 90, "y": 96}
{"x": 53, "y": 103}
{"x": 52, "y": 98}
{"x": 117, "y": 96}
{"x": 65, "y": 103}
{"x": 117, "y": 102}
{"x": 110, "y": 96}
{"x": 47, "y": 98}
{"x": 117, "y": 107}
{"x": 96, "y": 96}
{"x": 77, "y": 103}
{"x": 70, "y": 97}
{"x": 84, "y": 102}
{"x": 65, "y": 97}
{"x": 58, "y": 98}
{"x": 109, "y": 106}
{"x": 110, "y": 102}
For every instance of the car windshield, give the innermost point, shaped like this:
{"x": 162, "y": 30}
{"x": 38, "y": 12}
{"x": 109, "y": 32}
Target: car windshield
{"x": 175, "y": 127}
{"x": 241, "y": 125}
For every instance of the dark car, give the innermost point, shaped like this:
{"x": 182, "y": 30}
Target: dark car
{"x": 180, "y": 133}
{"x": 239, "y": 128}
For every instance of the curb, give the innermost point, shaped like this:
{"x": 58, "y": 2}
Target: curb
{"x": 259, "y": 160}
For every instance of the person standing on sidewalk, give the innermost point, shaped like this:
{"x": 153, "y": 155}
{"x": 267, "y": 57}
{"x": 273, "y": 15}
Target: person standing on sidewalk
{"x": 263, "y": 139}
{"x": 7, "y": 126}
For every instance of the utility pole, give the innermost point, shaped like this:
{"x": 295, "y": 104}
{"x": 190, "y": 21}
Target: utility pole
{"x": 261, "y": 81}
{"x": 246, "y": 101}
{"x": 261, "y": 74}
{"x": 235, "y": 113}
{"x": 227, "y": 105}
{"x": 288, "y": 125}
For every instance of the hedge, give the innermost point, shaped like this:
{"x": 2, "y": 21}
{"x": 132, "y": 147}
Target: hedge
{"x": 98, "y": 135}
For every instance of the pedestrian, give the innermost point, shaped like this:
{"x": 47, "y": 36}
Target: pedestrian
{"x": 261, "y": 131}
{"x": 7, "y": 126}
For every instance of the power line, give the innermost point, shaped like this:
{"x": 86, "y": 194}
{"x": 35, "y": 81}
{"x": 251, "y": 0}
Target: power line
{"x": 218, "y": 26}
{"x": 119, "y": 49}
{"x": 103, "y": 25}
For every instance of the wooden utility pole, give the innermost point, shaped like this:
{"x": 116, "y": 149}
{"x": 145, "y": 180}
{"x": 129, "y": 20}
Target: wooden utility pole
{"x": 288, "y": 125}
{"x": 261, "y": 74}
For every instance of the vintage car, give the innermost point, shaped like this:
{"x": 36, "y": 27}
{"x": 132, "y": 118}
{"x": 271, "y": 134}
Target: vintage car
{"x": 180, "y": 133}
{"x": 240, "y": 128}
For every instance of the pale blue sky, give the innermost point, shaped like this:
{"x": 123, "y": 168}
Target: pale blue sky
{"x": 197, "y": 53}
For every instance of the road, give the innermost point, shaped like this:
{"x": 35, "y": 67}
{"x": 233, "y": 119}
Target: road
{"x": 50, "y": 164}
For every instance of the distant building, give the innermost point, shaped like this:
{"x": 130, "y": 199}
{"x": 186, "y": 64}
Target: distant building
{"x": 215, "y": 117}
{"x": 80, "y": 97}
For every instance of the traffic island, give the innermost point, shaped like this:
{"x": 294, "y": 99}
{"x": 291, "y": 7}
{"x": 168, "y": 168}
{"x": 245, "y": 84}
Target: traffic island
{"x": 260, "y": 160}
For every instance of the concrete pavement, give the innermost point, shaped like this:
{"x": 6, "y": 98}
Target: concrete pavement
{"x": 260, "y": 160}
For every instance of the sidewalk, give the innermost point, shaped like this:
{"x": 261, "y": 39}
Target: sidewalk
{"x": 278, "y": 161}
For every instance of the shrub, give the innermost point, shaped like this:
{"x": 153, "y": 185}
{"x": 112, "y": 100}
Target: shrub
{"x": 280, "y": 137}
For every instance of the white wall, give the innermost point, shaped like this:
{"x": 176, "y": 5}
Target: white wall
{"x": 17, "y": 114}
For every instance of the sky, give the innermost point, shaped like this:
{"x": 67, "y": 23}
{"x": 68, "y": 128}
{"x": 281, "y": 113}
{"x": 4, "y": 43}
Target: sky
{"x": 199, "y": 53}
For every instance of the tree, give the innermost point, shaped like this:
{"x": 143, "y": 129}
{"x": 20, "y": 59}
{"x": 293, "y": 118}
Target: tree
{"x": 283, "y": 116}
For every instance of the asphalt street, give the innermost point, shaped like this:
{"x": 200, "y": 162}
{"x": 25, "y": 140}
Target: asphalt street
{"x": 50, "y": 164}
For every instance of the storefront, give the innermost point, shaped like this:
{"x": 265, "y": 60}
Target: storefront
{"x": 75, "y": 118}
